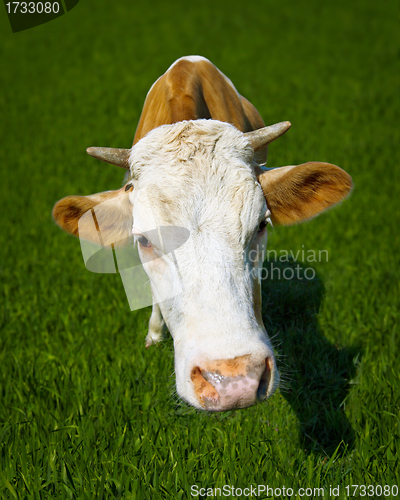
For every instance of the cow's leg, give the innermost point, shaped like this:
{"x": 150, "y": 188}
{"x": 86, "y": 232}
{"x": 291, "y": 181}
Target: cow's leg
{"x": 156, "y": 326}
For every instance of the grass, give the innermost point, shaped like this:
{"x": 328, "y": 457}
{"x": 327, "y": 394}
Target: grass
{"x": 85, "y": 410}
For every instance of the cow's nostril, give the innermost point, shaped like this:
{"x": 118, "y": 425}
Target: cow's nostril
{"x": 207, "y": 393}
{"x": 264, "y": 381}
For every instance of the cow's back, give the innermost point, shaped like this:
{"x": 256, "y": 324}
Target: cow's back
{"x": 193, "y": 88}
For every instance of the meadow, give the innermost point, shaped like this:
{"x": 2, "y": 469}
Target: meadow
{"x": 85, "y": 410}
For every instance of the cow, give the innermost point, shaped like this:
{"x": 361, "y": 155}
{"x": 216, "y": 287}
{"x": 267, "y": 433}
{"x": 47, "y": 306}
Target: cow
{"x": 197, "y": 162}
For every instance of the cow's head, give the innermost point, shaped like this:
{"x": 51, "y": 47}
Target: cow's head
{"x": 201, "y": 175}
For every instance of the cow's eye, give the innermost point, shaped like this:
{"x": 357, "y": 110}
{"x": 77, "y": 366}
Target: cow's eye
{"x": 144, "y": 242}
{"x": 263, "y": 224}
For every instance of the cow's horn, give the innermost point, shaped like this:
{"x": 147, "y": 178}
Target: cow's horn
{"x": 115, "y": 156}
{"x": 263, "y": 136}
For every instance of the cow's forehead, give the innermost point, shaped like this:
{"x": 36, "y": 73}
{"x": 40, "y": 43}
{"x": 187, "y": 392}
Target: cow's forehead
{"x": 184, "y": 141}
{"x": 198, "y": 175}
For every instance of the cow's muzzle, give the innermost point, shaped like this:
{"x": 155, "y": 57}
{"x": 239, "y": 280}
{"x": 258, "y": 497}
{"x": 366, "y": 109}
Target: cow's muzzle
{"x": 227, "y": 384}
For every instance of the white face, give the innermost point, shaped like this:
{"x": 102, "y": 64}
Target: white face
{"x": 212, "y": 201}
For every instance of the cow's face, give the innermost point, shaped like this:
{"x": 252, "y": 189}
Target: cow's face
{"x": 200, "y": 178}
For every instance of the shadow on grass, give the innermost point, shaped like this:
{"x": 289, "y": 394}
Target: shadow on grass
{"x": 315, "y": 373}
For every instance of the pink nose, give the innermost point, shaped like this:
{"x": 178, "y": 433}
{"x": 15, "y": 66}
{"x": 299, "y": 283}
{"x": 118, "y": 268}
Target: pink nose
{"x": 226, "y": 384}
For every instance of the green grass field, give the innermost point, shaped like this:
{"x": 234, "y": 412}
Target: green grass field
{"x": 85, "y": 410}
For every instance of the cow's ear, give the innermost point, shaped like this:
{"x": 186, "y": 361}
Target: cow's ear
{"x": 104, "y": 218}
{"x": 298, "y": 193}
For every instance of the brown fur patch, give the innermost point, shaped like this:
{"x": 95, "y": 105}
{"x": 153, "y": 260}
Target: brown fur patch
{"x": 193, "y": 90}
{"x": 302, "y": 192}
{"x": 113, "y": 219}
{"x": 69, "y": 210}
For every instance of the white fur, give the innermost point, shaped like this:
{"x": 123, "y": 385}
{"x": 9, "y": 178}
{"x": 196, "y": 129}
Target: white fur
{"x": 199, "y": 175}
